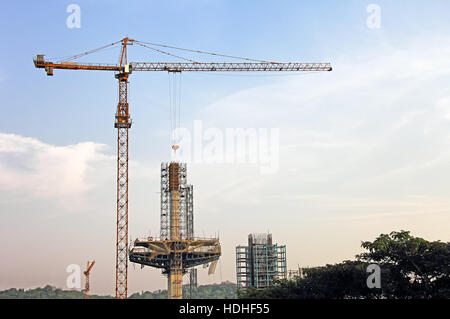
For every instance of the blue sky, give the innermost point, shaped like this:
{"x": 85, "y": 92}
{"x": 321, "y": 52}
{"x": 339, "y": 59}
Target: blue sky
{"x": 363, "y": 150}
{"x": 286, "y": 31}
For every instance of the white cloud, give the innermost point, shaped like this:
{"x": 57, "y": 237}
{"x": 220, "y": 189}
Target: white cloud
{"x": 33, "y": 168}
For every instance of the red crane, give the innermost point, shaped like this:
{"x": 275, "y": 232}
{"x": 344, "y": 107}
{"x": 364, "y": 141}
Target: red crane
{"x": 123, "y": 122}
{"x": 86, "y": 273}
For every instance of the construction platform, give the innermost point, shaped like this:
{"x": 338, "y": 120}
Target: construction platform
{"x": 159, "y": 253}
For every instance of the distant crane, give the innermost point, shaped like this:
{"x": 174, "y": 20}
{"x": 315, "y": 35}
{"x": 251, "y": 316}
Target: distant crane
{"x": 123, "y": 121}
{"x": 86, "y": 273}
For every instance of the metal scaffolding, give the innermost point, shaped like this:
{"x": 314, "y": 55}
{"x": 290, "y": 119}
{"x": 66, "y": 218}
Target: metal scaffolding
{"x": 177, "y": 250}
{"x": 260, "y": 263}
{"x": 190, "y": 211}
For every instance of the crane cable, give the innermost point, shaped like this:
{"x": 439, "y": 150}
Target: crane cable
{"x": 151, "y": 46}
{"x": 203, "y": 52}
{"x": 175, "y": 108}
{"x": 76, "y": 56}
{"x": 164, "y": 52}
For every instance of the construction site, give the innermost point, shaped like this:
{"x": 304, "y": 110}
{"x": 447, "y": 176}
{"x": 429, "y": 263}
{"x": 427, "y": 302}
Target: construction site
{"x": 177, "y": 250}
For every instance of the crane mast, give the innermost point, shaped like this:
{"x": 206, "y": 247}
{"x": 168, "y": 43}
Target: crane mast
{"x": 123, "y": 124}
{"x": 87, "y": 273}
{"x": 123, "y": 121}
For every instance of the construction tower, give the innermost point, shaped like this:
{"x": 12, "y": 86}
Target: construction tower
{"x": 177, "y": 249}
{"x": 259, "y": 263}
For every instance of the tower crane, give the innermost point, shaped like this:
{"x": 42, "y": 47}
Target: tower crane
{"x": 123, "y": 122}
{"x": 86, "y": 273}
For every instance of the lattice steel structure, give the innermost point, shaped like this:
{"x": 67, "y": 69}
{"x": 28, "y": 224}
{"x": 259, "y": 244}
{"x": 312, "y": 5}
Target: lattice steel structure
{"x": 177, "y": 249}
{"x": 123, "y": 124}
{"x": 220, "y": 67}
{"x": 190, "y": 233}
{"x": 259, "y": 263}
{"x": 190, "y": 211}
{"x": 87, "y": 272}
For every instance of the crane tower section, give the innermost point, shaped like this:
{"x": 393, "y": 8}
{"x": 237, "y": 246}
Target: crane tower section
{"x": 175, "y": 196}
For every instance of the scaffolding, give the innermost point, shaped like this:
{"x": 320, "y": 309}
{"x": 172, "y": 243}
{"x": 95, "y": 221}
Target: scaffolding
{"x": 260, "y": 263}
{"x": 190, "y": 211}
{"x": 177, "y": 250}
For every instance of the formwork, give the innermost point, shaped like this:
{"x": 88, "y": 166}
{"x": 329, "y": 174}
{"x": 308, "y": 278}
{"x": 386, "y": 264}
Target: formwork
{"x": 260, "y": 263}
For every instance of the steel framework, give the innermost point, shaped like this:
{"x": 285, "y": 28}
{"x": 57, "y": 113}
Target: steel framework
{"x": 259, "y": 263}
{"x": 188, "y": 67}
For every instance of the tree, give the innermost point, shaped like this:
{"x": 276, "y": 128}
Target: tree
{"x": 346, "y": 280}
{"x": 411, "y": 267}
{"x": 225, "y": 290}
{"x": 417, "y": 268}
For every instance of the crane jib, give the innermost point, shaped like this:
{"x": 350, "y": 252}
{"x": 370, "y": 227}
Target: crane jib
{"x": 184, "y": 67}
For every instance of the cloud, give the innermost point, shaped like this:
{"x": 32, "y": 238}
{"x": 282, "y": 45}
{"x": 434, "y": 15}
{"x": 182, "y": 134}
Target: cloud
{"x": 33, "y": 168}
{"x": 376, "y": 129}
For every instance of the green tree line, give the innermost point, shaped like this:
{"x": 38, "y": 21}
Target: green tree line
{"x": 226, "y": 290}
{"x": 410, "y": 268}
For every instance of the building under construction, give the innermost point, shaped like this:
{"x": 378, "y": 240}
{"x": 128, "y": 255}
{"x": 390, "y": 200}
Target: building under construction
{"x": 259, "y": 263}
{"x": 176, "y": 250}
